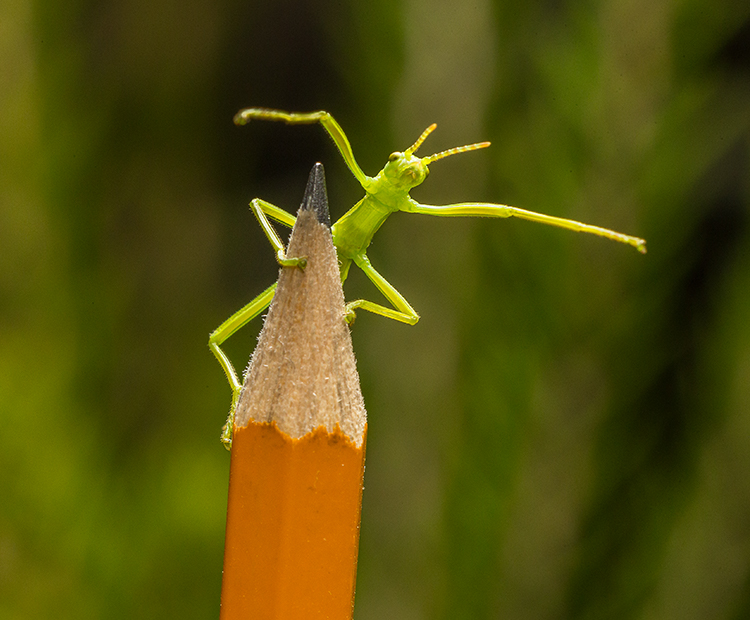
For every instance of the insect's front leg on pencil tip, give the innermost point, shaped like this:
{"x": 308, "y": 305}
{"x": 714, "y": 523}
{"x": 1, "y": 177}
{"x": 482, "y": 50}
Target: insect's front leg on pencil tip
{"x": 285, "y": 261}
{"x": 264, "y": 210}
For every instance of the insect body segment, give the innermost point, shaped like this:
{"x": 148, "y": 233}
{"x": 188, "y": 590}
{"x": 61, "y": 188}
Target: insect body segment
{"x": 385, "y": 194}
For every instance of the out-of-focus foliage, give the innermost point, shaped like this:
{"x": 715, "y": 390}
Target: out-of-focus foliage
{"x": 565, "y": 434}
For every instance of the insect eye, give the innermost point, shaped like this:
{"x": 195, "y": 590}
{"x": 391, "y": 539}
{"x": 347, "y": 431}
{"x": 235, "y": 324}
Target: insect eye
{"x": 394, "y": 156}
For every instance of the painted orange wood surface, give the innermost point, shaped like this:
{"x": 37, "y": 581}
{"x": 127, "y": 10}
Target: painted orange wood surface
{"x": 292, "y": 525}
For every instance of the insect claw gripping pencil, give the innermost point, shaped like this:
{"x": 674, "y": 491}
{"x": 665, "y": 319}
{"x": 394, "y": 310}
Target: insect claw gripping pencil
{"x": 385, "y": 193}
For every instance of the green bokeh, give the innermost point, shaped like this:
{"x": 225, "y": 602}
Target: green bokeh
{"x": 566, "y": 432}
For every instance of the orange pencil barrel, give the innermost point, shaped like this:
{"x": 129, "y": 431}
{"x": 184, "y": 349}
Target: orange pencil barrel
{"x": 292, "y": 525}
{"x": 297, "y": 465}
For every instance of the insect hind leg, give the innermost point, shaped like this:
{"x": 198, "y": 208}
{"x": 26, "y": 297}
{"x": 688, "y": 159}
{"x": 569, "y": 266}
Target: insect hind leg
{"x": 220, "y": 335}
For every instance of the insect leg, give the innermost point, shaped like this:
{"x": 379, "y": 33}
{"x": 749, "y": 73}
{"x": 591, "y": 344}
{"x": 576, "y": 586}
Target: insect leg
{"x": 263, "y": 210}
{"x": 403, "y": 311}
{"x": 481, "y": 209}
{"x": 308, "y": 118}
{"x": 220, "y": 335}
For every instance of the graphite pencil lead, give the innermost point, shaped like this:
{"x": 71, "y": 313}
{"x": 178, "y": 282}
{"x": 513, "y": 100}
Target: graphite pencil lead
{"x": 316, "y": 196}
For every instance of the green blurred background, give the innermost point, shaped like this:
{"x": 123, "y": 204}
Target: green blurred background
{"x": 566, "y": 432}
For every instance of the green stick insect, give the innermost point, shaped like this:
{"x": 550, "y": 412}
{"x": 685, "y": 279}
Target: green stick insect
{"x": 385, "y": 193}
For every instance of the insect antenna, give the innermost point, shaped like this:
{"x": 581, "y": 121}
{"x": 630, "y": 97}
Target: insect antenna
{"x": 454, "y": 151}
{"x": 418, "y": 143}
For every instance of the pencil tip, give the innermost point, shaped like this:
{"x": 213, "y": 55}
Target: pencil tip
{"x": 316, "y": 196}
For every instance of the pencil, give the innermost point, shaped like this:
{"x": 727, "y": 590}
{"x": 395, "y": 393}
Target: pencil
{"x": 297, "y": 462}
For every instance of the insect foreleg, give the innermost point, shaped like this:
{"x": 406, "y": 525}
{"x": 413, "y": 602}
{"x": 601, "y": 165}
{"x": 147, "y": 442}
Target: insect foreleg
{"x": 263, "y": 210}
{"x": 482, "y": 209}
{"x": 308, "y": 118}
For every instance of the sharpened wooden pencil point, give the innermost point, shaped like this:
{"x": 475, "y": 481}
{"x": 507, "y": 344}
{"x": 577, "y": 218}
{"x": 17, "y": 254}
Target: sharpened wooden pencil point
{"x": 297, "y": 463}
{"x": 316, "y": 196}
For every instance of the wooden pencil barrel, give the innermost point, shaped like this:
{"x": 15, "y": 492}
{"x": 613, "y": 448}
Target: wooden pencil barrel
{"x": 297, "y": 465}
{"x": 293, "y": 559}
